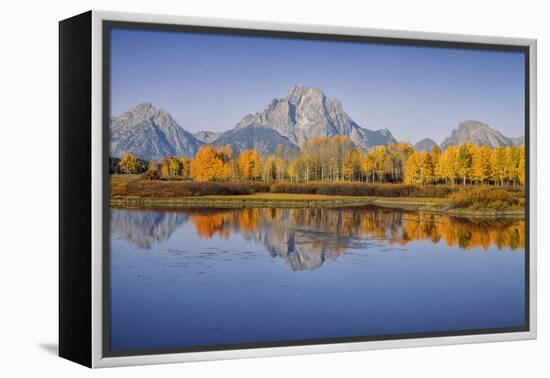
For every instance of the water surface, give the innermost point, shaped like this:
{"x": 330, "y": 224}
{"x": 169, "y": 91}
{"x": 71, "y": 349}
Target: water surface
{"x": 197, "y": 277}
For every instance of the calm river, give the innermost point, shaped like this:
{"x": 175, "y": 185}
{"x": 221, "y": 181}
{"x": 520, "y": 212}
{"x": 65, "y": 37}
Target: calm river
{"x": 196, "y": 277}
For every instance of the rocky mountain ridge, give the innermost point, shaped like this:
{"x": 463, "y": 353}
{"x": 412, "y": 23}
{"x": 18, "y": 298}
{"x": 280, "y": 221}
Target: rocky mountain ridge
{"x": 150, "y": 133}
{"x": 304, "y": 113}
{"x": 480, "y": 134}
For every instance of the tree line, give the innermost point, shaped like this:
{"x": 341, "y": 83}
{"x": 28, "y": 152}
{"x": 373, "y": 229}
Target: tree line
{"x": 337, "y": 159}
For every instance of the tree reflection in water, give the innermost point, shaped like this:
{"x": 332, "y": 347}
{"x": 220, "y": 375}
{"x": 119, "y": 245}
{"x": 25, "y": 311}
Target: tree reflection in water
{"x": 306, "y": 237}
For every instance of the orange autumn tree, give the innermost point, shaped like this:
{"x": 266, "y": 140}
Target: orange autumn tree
{"x": 249, "y": 164}
{"x": 207, "y": 165}
{"x": 212, "y": 164}
{"x": 165, "y": 168}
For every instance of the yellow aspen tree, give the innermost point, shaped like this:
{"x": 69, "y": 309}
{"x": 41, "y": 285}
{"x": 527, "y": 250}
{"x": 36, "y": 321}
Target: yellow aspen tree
{"x": 249, "y": 164}
{"x": 464, "y": 159}
{"x": 294, "y": 170}
{"x": 129, "y": 163}
{"x": 512, "y": 164}
{"x": 448, "y": 164}
{"x": 435, "y": 155}
{"x": 521, "y": 165}
{"x": 269, "y": 169}
{"x": 427, "y": 168}
{"x": 351, "y": 164}
{"x": 367, "y": 165}
{"x": 185, "y": 165}
{"x": 413, "y": 169}
{"x": 281, "y": 168}
{"x": 232, "y": 168}
{"x": 498, "y": 165}
{"x": 481, "y": 164}
{"x": 440, "y": 168}
{"x": 174, "y": 167}
{"x": 399, "y": 153}
{"x": 381, "y": 160}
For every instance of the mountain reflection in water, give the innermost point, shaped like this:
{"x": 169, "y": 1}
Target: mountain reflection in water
{"x": 307, "y": 237}
{"x": 145, "y": 228}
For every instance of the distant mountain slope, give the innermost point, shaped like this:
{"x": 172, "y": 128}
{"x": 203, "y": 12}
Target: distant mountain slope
{"x": 306, "y": 112}
{"x": 425, "y": 144}
{"x": 518, "y": 141}
{"x": 207, "y": 136}
{"x": 263, "y": 139}
{"x": 480, "y": 134}
{"x": 150, "y": 133}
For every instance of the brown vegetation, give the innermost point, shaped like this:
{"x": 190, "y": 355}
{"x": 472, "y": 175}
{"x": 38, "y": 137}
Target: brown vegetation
{"x": 487, "y": 198}
{"x": 362, "y": 189}
{"x": 477, "y": 198}
{"x": 128, "y": 186}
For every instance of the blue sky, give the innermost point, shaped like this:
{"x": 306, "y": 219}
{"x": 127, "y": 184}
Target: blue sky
{"x": 209, "y": 82}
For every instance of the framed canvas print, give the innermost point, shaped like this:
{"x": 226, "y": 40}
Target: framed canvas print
{"x": 236, "y": 189}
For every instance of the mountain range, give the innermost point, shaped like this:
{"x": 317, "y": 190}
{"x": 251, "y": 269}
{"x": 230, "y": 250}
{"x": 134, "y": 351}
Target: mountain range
{"x": 425, "y": 144}
{"x": 207, "y": 136}
{"x": 480, "y": 134}
{"x": 304, "y": 113}
{"x": 150, "y": 133}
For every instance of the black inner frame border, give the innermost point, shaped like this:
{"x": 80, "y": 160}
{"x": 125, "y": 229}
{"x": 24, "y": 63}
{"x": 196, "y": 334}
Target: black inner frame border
{"x": 108, "y": 25}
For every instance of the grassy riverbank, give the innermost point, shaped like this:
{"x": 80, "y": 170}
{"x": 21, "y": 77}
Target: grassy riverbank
{"x": 274, "y": 200}
{"x": 133, "y": 192}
